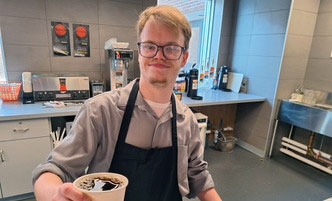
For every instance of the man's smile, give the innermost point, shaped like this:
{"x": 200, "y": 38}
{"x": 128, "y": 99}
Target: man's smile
{"x": 158, "y": 65}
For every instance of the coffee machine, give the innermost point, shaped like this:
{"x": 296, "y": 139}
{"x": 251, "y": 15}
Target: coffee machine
{"x": 192, "y": 86}
{"x": 117, "y": 61}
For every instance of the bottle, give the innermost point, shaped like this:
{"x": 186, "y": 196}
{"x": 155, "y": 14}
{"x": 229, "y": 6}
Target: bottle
{"x": 187, "y": 81}
{"x": 206, "y": 75}
{"x": 211, "y": 76}
{"x": 223, "y": 77}
{"x": 201, "y": 76}
{"x": 182, "y": 81}
{"x": 215, "y": 138}
{"x": 215, "y": 80}
{"x": 177, "y": 85}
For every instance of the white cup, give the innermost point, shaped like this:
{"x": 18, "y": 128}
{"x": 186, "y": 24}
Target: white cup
{"x": 116, "y": 194}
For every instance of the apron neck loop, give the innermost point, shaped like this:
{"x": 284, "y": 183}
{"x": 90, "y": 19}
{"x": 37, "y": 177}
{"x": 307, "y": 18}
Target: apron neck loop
{"x": 129, "y": 111}
{"x": 174, "y": 126}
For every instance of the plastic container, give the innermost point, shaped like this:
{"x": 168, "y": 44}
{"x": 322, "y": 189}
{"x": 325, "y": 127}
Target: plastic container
{"x": 226, "y": 146}
{"x": 10, "y": 90}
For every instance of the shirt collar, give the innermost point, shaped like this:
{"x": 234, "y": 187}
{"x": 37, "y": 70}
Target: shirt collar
{"x": 124, "y": 95}
{"x": 179, "y": 106}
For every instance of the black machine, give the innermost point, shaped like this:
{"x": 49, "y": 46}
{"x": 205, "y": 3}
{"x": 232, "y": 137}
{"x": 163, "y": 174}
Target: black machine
{"x": 193, "y": 84}
{"x": 223, "y": 78}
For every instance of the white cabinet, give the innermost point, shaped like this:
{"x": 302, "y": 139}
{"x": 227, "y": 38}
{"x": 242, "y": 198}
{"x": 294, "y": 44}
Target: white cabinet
{"x": 23, "y": 129}
{"x": 23, "y": 145}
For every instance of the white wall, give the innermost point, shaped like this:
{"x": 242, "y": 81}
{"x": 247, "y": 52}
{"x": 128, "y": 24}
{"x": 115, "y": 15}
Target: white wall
{"x": 26, "y": 26}
{"x": 319, "y": 69}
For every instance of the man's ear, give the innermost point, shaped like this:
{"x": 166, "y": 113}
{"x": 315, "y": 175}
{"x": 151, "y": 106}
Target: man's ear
{"x": 184, "y": 58}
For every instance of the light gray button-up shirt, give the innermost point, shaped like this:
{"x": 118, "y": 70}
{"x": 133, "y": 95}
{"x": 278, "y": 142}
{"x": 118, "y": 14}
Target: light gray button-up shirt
{"x": 92, "y": 140}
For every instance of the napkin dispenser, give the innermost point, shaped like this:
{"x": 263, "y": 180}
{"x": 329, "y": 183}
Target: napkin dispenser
{"x": 27, "y": 88}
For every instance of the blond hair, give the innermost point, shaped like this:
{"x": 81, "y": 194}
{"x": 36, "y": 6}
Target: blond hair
{"x": 168, "y": 15}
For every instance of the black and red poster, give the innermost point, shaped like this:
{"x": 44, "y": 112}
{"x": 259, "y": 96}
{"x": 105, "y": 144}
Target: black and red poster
{"x": 81, "y": 40}
{"x": 60, "y": 38}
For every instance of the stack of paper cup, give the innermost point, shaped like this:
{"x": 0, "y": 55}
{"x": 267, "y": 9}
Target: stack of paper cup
{"x": 26, "y": 80}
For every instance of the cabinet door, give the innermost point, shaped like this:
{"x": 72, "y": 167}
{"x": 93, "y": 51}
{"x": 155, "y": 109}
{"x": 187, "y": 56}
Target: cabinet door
{"x": 20, "y": 157}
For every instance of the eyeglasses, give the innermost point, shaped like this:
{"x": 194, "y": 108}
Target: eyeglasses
{"x": 150, "y": 50}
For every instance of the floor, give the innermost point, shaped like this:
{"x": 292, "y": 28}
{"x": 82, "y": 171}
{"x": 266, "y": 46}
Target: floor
{"x": 243, "y": 176}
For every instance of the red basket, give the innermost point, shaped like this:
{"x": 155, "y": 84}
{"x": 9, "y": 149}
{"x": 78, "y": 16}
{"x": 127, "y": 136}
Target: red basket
{"x": 10, "y": 90}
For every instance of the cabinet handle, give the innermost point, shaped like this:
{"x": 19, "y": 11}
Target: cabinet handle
{"x": 1, "y": 194}
{"x": 2, "y": 158}
{"x": 21, "y": 130}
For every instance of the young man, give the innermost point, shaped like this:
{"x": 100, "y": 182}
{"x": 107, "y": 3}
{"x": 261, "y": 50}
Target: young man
{"x": 140, "y": 131}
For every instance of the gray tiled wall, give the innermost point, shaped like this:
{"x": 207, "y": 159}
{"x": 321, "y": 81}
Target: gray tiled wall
{"x": 256, "y": 51}
{"x": 304, "y": 49}
{"x": 26, "y": 32}
{"x": 319, "y": 69}
{"x": 297, "y": 47}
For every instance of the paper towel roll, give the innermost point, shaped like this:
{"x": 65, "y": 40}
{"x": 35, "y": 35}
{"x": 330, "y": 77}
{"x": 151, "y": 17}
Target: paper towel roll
{"x": 26, "y": 80}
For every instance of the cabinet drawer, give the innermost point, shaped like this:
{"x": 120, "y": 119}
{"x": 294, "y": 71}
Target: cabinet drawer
{"x": 21, "y": 129}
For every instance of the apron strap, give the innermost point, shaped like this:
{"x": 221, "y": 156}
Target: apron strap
{"x": 128, "y": 113}
{"x": 174, "y": 127}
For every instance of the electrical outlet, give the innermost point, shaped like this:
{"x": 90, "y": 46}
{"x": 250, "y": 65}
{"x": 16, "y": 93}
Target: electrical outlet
{"x": 244, "y": 85}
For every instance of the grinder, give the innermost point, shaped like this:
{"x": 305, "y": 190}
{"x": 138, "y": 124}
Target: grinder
{"x": 193, "y": 84}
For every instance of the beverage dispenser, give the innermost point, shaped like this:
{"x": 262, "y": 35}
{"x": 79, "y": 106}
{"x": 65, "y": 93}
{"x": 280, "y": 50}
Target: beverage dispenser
{"x": 116, "y": 66}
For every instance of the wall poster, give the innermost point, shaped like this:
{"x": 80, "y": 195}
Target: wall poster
{"x": 81, "y": 40}
{"x": 60, "y": 38}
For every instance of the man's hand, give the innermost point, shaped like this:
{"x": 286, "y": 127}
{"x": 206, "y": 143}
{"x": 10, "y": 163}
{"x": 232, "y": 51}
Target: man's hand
{"x": 67, "y": 192}
{"x": 49, "y": 187}
{"x": 209, "y": 195}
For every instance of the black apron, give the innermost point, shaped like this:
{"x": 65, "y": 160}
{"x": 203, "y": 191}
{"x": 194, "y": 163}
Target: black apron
{"x": 152, "y": 173}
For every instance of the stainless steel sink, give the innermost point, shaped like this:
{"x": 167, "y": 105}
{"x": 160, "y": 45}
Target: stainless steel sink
{"x": 312, "y": 118}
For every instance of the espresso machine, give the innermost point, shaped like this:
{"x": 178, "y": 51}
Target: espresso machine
{"x": 117, "y": 61}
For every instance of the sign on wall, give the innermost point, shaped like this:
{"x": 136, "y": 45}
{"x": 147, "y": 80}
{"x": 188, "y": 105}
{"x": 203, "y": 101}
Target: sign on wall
{"x": 60, "y": 39}
{"x": 81, "y": 40}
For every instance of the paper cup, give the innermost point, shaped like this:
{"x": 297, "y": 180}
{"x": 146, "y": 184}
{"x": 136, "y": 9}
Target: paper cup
{"x": 117, "y": 194}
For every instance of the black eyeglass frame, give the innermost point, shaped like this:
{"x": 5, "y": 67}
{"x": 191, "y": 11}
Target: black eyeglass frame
{"x": 183, "y": 49}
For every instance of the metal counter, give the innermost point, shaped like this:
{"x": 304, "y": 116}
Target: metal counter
{"x": 311, "y": 118}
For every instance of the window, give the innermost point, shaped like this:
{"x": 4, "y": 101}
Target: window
{"x": 3, "y": 74}
{"x": 200, "y": 15}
